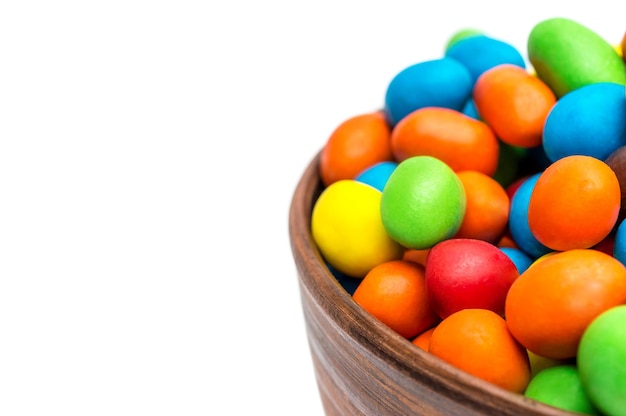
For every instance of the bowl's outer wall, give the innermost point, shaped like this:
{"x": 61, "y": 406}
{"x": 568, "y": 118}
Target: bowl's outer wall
{"x": 362, "y": 367}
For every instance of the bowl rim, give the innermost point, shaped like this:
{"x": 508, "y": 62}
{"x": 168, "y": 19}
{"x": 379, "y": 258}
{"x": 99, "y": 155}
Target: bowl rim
{"x": 397, "y": 351}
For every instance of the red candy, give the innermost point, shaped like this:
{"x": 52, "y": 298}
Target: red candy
{"x": 468, "y": 273}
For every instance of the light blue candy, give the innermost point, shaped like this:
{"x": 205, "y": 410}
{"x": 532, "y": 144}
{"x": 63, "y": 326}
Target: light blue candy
{"x": 590, "y": 120}
{"x": 518, "y": 220}
{"x": 619, "y": 247}
{"x": 470, "y": 110}
{"x": 443, "y": 82}
{"x": 480, "y": 53}
{"x": 377, "y": 175}
{"x": 521, "y": 260}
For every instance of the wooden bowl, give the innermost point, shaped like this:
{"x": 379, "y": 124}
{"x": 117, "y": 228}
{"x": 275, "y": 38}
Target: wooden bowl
{"x": 363, "y": 367}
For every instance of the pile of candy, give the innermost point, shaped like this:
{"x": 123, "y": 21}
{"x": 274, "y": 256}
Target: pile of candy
{"x": 479, "y": 213}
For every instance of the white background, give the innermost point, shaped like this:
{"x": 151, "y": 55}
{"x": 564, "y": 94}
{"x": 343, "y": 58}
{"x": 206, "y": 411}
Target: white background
{"x": 148, "y": 153}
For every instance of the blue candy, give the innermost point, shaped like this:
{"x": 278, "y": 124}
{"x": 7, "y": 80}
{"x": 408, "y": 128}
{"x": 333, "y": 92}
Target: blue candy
{"x": 470, "y": 110}
{"x": 443, "y": 82}
{"x": 518, "y": 220}
{"x": 590, "y": 120}
{"x": 480, "y": 53}
{"x": 349, "y": 283}
{"x": 521, "y": 260}
{"x": 377, "y": 175}
{"x": 619, "y": 248}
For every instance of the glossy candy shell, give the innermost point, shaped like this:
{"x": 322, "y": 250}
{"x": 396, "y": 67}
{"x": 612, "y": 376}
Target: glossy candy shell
{"x": 363, "y": 367}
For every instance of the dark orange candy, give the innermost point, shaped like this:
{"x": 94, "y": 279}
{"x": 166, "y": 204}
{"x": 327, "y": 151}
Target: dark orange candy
{"x": 416, "y": 256}
{"x": 575, "y": 203}
{"x": 423, "y": 340}
{"x": 479, "y": 342}
{"x": 487, "y": 207}
{"x": 551, "y": 304}
{"x": 460, "y": 141}
{"x": 395, "y": 293}
{"x": 356, "y": 144}
{"x": 514, "y": 103}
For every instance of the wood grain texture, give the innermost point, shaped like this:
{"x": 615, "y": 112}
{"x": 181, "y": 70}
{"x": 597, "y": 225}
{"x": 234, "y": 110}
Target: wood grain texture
{"x": 363, "y": 367}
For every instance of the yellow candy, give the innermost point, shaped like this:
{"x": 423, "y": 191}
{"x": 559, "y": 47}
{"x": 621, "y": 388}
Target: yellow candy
{"x": 538, "y": 363}
{"x": 542, "y": 258}
{"x": 348, "y": 230}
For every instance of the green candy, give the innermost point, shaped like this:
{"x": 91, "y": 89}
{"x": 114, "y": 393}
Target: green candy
{"x": 422, "y": 203}
{"x": 560, "y": 386}
{"x": 601, "y": 357}
{"x": 462, "y": 34}
{"x": 567, "y": 55}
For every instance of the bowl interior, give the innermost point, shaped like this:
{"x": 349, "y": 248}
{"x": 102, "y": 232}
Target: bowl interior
{"x": 364, "y": 367}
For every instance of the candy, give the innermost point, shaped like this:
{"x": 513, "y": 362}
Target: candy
{"x": 480, "y": 53}
{"x": 601, "y": 358}
{"x": 349, "y": 283}
{"x": 551, "y": 304}
{"x": 521, "y": 260}
{"x": 486, "y": 208}
{"x": 377, "y": 174}
{"x": 423, "y": 202}
{"x": 356, "y": 144}
{"x": 619, "y": 248}
{"x": 462, "y": 142}
{"x": 590, "y": 120}
{"x": 395, "y": 293}
{"x": 479, "y": 342}
{"x": 423, "y": 340}
{"x": 416, "y": 256}
{"x": 560, "y": 386}
{"x": 462, "y": 34}
{"x": 574, "y": 204}
{"x": 469, "y": 109}
{"x": 443, "y": 82}
{"x": 567, "y": 55}
{"x": 539, "y": 363}
{"x": 617, "y": 162}
{"x": 466, "y": 273}
{"x": 518, "y": 220}
{"x": 514, "y": 104}
{"x": 347, "y": 228}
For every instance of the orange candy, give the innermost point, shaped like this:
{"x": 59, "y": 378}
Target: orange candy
{"x": 507, "y": 241}
{"x": 479, "y": 342}
{"x": 423, "y": 340}
{"x": 487, "y": 207}
{"x": 355, "y": 145}
{"x": 575, "y": 203}
{"x": 550, "y": 305}
{"x": 395, "y": 293}
{"x": 462, "y": 142}
{"x": 514, "y": 103}
{"x": 417, "y": 256}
